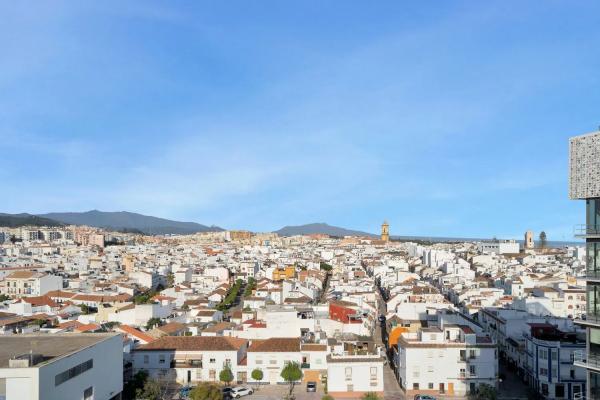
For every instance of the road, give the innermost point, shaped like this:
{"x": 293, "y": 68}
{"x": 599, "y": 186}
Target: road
{"x": 390, "y": 383}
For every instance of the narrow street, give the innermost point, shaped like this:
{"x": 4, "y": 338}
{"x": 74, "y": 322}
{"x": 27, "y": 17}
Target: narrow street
{"x": 390, "y": 383}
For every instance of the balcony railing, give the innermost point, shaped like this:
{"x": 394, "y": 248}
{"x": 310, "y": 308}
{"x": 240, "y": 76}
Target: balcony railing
{"x": 590, "y": 317}
{"x": 591, "y": 274}
{"x": 585, "y": 360}
{"x": 584, "y": 230}
{"x": 305, "y": 365}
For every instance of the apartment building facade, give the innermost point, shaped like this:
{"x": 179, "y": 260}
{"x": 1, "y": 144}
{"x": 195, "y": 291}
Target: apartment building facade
{"x": 447, "y": 360}
{"x": 584, "y": 184}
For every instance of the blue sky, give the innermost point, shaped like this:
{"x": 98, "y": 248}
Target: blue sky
{"x": 445, "y": 118}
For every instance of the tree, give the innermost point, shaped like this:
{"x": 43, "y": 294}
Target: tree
{"x": 84, "y": 308}
{"x": 370, "y": 396}
{"x": 4, "y": 297}
{"x": 291, "y": 373}
{"x": 206, "y": 391}
{"x": 226, "y": 376}
{"x": 484, "y": 392}
{"x": 40, "y": 322}
{"x": 325, "y": 267}
{"x": 327, "y": 397}
{"x": 257, "y": 375}
{"x": 150, "y": 391}
{"x": 152, "y": 322}
{"x": 543, "y": 239}
{"x": 136, "y": 383}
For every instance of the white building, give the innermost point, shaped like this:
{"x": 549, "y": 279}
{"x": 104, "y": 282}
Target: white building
{"x": 354, "y": 375}
{"x": 450, "y": 359}
{"x": 499, "y": 247}
{"x": 61, "y": 366}
{"x": 29, "y": 283}
{"x": 188, "y": 359}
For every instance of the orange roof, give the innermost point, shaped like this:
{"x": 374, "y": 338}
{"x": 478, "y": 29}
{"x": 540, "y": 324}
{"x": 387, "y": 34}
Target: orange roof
{"x": 38, "y": 301}
{"x": 88, "y": 328}
{"x": 69, "y": 325}
{"x": 135, "y": 333}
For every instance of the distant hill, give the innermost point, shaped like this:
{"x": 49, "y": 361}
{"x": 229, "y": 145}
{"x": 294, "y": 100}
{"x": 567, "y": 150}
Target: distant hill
{"x": 128, "y": 221}
{"x": 322, "y": 228}
{"x": 16, "y": 220}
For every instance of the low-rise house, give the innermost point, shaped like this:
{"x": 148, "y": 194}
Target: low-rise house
{"x": 191, "y": 359}
{"x": 271, "y": 355}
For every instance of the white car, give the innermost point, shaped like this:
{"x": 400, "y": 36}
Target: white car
{"x": 240, "y": 391}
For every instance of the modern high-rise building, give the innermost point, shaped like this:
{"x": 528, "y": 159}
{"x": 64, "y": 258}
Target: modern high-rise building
{"x": 385, "y": 231}
{"x": 529, "y": 244}
{"x": 584, "y": 184}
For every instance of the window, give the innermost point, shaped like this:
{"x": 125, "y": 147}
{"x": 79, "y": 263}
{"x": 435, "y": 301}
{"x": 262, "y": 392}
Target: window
{"x": 212, "y": 374}
{"x": 559, "y": 390}
{"x": 415, "y": 386}
{"x": 462, "y": 373}
{"x": 472, "y": 353}
{"x": 146, "y": 358}
{"x": 161, "y": 359}
{"x": 258, "y": 361}
{"x": 430, "y": 368}
{"x": 73, "y": 372}
{"x": 472, "y": 371}
{"x": 88, "y": 394}
{"x": 273, "y": 361}
{"x": 373, "y": 372}
{"x": 430, "y": 385}
{"x": 543, "y": 371}
{"x": 212, "y": 360}
{"x": 554, "y": 354}
{"x": 348, "y": 372}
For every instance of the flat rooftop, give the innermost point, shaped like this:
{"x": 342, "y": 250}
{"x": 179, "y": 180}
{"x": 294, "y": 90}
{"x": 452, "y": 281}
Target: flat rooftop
{"x": 49, "y": 345}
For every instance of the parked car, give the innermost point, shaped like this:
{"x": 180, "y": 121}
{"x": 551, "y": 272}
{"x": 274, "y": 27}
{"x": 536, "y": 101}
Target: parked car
{"x": 240, "y": 391}
{"x": 311, "y": 386}
{"x": 424, "y": 397}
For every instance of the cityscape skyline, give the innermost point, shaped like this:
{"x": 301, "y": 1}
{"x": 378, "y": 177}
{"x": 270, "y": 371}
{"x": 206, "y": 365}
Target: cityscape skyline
{"x": 266, "y": 116}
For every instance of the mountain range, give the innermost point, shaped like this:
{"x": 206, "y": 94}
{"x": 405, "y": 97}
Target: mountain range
{"x": 128, "y": 221}
{"x": 123, "y": 220}
{"x": 16, "y": 220}
{"x": 323, "y": 228}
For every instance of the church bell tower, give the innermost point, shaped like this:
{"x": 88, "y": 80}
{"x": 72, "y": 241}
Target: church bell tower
{"x": 385, "y": 232}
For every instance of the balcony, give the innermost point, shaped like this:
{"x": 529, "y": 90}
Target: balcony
{"x": 592, "y": 275}
{"x": 305, "y": 365}
{"x": 582, "y": 359}
{"x": 589, "y": 319}
{"x": 586, "y": 231}
{"x": 186, "y": 363}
